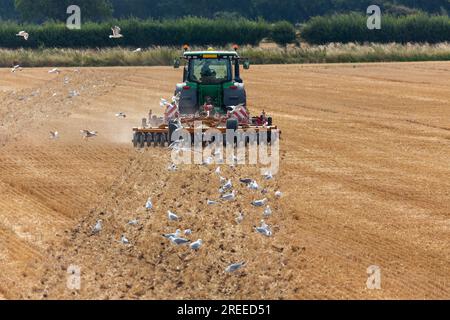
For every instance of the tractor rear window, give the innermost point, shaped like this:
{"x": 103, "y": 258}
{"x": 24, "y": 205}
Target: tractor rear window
{"x": 210, "y": 71}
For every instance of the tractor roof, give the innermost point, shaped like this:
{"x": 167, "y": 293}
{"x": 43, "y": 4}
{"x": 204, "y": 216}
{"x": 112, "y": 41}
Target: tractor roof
{"x": 211, "y": 54}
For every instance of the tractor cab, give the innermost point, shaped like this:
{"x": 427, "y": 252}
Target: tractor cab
{"x": 211, "y": 81}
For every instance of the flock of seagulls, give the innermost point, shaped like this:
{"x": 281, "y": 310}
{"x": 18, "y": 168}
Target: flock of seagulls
{"x": 115, "y": 35}
{"x": 180, "y": 238}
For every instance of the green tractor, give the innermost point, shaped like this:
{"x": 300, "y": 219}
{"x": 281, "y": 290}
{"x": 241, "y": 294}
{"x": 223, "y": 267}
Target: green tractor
{"x": 212, "y": 92}
{"x": 211, "y": 78}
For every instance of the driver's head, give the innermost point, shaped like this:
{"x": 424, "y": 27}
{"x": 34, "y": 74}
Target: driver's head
{"x": 206, "y": 70}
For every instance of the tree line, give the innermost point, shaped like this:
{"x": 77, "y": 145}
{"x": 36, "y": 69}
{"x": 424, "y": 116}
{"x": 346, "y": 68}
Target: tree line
{"x": 38, "y": 11}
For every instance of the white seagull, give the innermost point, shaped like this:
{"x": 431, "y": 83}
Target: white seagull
{"x": 253, "y": 185}
{"x": 138, "y": 50}
{"x": 116, "y": 33}
{"x": 230, "y": 196}
{"x": 211, "y": 202}
{"x": 278, "y": 194}
{"x": 228, "y": 185}
{"x": 98, "y": 227}
{"x": 268, "y": 175}
{"x": 172, "y": 216}
{"x": 196, "y": 245}
{"x": 187, "y": 232}
{"x": 179, "y": 241}
{"x": 259, "y": 203}
{"x": 149, "y": 204}
{"x": 23, "y": 34}
{"x": 16, "y": 68}
{"x": 267, "y": 212}
{"x": 134, "y": 222}
{"x": 234, "y": 267}
{"x": 54, "y": 70}
{"x": 124, "y": 240}
{"x": 121, "y": 115}
{"x": 172, "y": 235}
{"x": 54, "y": 135}
{"x": 264, "y": 229}
{"x": 88, "y": 134}
{"x": 240, "y": 218}
{"x": 172, "y": 167}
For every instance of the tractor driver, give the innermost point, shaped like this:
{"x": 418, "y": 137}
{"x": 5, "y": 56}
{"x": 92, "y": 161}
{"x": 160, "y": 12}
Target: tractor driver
{"x": 207, "y": 74}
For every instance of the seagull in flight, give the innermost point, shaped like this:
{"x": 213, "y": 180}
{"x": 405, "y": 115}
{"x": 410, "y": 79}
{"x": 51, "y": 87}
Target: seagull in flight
{"x": 23, "y": 34}
{"x": 16, "y": 68}
{"x": 116, "y": 33}
{"x": 54, "y": 135}
{"x": 88, "y": 134}
{"x": 138, "y": 50}
{"x": 121, "y": 115}
{"x": 55, "y": 70}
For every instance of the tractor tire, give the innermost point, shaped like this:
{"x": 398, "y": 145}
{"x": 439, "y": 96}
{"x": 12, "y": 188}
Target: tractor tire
{"x": 149, "y": 139}
{"x": 135, "y": 139}
{"x": 141, "y": 140}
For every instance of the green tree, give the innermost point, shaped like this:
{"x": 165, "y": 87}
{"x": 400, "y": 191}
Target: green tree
{"x": 283, "y": 33}
{"x": 43, "y": 10}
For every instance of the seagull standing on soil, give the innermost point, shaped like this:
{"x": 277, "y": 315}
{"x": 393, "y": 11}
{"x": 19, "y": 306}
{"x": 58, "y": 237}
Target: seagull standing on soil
{"x": 172, "y": 216}
{"x": 267, "y": 212}
{"x": 278, "y": 194}
{"x": 98, "y": 227}
{"x": 268, "y": 175}
{"x": 179, "y": 241}
{"x": 172, "y": 235}
{"x": 253, "y": 185}
{"x": 211, "y": 202}
{"x": 234, "y": 267}
{"x": 134, "y": 222}
{"x": 172, "y": 167}
{"x": 230, "y": 196}
{"x": 196, "y": 245}
{"x": 23, "y": 34}
{"x": 240, "y": 218}
{"x": 187, "y": 232}
{"x": 124, "y": 240}
{"x": 149, "y": 204}
{"x": 116, "y": 33}
{"x": 264, "y": 229}
{"x": 259, "y": 203}
{"x": 121, "y": 115}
